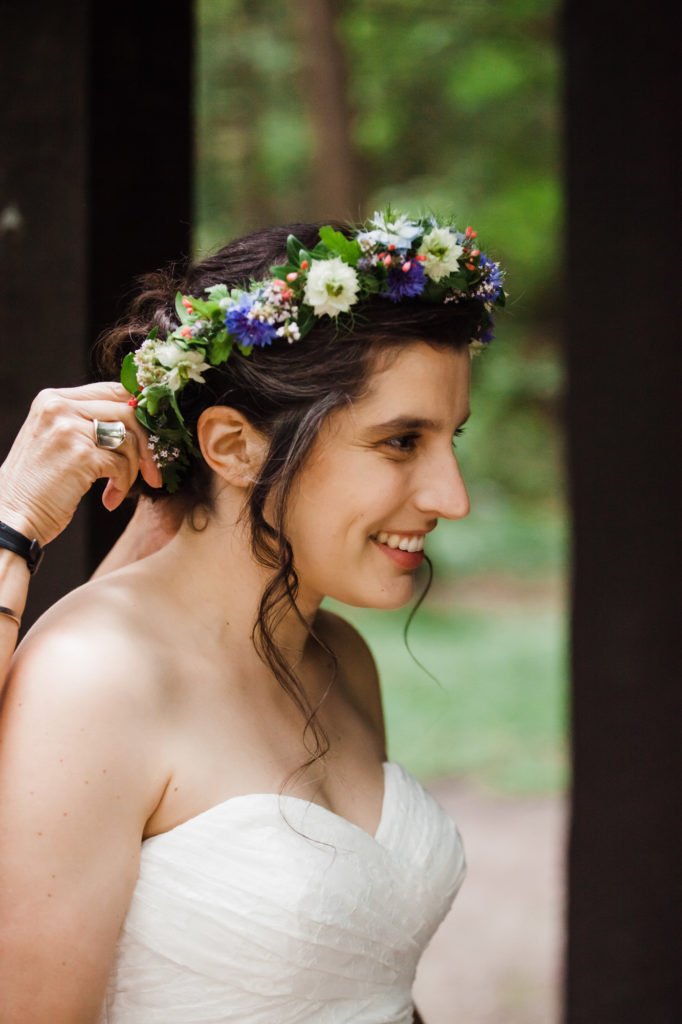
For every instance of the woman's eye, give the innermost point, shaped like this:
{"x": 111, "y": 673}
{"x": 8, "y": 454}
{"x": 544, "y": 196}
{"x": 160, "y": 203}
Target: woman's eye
{"x": 408, "y": 442}
{"x": 403, "y": 443}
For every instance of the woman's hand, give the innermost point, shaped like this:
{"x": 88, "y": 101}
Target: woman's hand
{"x": 54, "y": 460}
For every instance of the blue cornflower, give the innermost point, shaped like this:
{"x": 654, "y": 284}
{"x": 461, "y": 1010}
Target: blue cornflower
{"x": 491, "y": 274}
{"x": 248, "y": 330}
{"x": 488, "y": 334}
{"x": 405, "y": 284}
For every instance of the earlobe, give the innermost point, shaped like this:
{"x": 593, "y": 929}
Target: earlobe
{"x": 229, "y": 444}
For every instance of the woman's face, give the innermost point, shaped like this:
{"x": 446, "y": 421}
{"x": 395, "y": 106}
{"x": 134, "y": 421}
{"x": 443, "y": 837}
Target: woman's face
{"x": 381, "y": 474}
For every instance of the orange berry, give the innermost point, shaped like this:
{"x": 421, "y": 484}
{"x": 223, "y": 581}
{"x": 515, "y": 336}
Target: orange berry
{"x": 304, "y": 264}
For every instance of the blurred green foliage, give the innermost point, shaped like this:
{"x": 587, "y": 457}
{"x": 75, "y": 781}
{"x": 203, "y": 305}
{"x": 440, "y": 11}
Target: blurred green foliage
{"x": 496, "y": 709}
{"x": 454, "y": 106}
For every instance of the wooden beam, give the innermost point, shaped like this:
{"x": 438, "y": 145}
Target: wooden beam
{"x": 95, "y": 186}
{"x": 623, "y": 351}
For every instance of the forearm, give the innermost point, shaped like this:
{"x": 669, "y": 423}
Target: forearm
{"x": 14, "y": 577}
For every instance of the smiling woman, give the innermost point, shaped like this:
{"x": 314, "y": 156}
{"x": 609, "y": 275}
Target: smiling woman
{"x": 312, "y": 462}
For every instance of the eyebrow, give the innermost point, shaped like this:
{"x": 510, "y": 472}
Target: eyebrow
{"x": 411, "y": 423}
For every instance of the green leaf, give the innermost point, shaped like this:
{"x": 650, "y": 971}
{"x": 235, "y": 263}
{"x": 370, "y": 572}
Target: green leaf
{"x": 216, "y": 292}
{"x": 205, "y": 309}
{"x": 156, "y": 397}
{"x": 348, "y": 249}
{"x": 172, "y": 475}
{"x": 370, "y": 285}
{"x": 183, "y": 315}
{"x": 306, "y": 319}
{"x": 129, "y": 374}
{"x": 180, "y": 419}
{"x": 143, "y": 418}
{"x": 219, "y": 348}
{"x": 283, "y": 269}
{"x": 296, "y": 251}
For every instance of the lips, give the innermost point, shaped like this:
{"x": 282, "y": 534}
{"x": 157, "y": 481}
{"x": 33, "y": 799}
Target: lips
{"x": 405, "y": 559}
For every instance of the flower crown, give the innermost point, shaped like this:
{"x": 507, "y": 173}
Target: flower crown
{"x": 392, "y": 258}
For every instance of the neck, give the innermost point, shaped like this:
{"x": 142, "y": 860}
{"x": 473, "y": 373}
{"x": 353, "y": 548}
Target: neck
{"x": 216, "y": 584}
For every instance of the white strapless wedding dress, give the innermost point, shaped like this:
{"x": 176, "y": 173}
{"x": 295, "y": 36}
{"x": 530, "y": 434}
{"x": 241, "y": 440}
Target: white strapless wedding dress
{"x": 237, "y": 917}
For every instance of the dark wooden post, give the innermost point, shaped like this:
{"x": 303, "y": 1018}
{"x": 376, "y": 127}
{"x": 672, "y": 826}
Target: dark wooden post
{"x": 95, "y": 187}
{"x": 623, "y": 352}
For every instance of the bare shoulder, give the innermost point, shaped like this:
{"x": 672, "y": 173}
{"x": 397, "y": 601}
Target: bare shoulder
{"x": 358, "y": 670}
{"x": 79, "y": 776}
{"x": 82, "y": 684}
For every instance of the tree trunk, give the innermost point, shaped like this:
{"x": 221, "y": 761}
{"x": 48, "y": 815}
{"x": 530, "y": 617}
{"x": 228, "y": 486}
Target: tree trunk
{"x": 336, "y": 190}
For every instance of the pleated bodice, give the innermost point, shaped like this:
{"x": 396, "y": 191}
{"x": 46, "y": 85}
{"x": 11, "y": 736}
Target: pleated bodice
{"x": 237, "y": 917}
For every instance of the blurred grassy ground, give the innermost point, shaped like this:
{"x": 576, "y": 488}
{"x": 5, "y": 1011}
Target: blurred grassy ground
{"x": 492, "y": 632}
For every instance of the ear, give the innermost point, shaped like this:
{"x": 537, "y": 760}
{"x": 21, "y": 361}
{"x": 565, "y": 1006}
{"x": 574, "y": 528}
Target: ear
{"x": 231, "y": 446}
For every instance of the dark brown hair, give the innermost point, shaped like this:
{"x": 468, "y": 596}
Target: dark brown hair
{"x": 286, "y": 391}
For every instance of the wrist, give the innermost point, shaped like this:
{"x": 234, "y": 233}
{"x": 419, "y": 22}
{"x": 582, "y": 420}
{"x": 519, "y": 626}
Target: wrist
{"x": 14, "y": 580}
{"x": 19, "y": 521}
{"x": 28, "y": 548}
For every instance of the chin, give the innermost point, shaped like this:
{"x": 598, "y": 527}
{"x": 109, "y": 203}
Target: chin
{"x": 393, "y": 596}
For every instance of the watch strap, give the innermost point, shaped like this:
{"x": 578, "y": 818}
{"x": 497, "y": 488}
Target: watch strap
{"x": 28, "y": 549}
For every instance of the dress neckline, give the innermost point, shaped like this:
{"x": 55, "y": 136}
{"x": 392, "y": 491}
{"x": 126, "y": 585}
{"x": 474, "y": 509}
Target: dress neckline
{"x": 240, "y": 797}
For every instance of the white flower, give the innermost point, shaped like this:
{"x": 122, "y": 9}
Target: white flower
{"x": 442, "y": 253}
{"x": 184, "y": 364}
{"x": 332, "y": 286}
{"x": 291, "y": 331}
{"x": 400, "y": 232}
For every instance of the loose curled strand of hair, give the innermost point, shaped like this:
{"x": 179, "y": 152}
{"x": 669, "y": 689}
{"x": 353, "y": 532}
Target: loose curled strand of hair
{"x": 287, "y": 393}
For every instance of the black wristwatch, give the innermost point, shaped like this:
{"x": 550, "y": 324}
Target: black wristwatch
{"x": 28, "y": 549}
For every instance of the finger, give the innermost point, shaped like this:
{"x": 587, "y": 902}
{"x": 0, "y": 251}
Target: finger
{"x": 109, "y": 412}
{"x": 115, "y": 392}
{"x": 112, "y": 497}
{"x": 106, "y": 390}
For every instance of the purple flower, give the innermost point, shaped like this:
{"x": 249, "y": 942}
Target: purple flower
{"x": 490, "y": 287}
{"x": 405, "y": 284}
{"x": 248, "y": 330}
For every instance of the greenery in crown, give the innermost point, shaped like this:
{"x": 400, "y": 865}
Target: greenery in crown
{"x": 392, "y": 258}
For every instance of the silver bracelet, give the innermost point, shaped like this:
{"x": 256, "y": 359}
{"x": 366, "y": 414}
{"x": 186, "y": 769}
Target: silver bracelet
{"x": 10, "y": 614}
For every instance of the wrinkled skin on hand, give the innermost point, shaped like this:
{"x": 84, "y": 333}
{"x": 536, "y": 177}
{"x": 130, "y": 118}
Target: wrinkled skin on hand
{"x": 54, "y": 460}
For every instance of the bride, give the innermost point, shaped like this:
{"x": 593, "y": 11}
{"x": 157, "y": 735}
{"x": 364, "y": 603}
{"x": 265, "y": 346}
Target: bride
{"x": 200, "y": 819}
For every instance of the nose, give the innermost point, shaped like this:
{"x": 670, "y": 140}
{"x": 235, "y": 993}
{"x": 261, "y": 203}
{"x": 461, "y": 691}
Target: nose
{"x": 443, "y": 493}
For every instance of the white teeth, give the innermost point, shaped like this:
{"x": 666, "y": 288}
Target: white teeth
{"x": 395, "y": 540}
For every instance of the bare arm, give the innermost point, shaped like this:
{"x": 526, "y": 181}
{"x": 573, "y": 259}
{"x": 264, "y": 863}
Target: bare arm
{"x": 79, "y": 777}
{"x": 14, "y": 577}
{"x": 52, "y": 463}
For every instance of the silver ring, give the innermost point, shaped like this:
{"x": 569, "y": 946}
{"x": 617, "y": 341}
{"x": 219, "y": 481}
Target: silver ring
{"x": 109, "y": 435}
